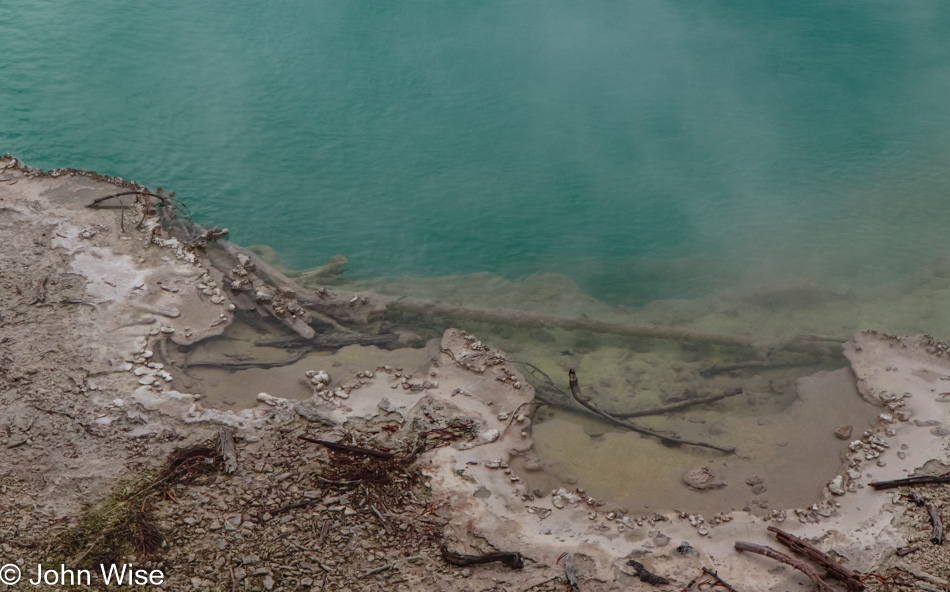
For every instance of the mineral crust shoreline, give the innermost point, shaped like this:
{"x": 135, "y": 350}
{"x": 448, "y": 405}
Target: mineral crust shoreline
{"x": 89, "y": 297}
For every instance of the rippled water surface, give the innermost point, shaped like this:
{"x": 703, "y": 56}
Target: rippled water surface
{"x": 647, "y": 150}
{"x": 744, "y": 168}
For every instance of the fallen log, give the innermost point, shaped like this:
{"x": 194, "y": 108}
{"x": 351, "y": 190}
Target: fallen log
{"x": 783, "y": 558}
{"x": 331, "y": 342}
{"x": 923, "y": 480}
{"x": 679, "y": 406}
{"x": 668, "y": 440}
{"x": 518, "y": 318}
{"x": 806, "y": 549}
{"x": 755, "y": 365}
{"x": 246, "y": 365}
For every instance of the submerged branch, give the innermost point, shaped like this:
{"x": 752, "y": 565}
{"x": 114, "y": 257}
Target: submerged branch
{"x": 514, "y": 318}
{"x": 669, "y": 440}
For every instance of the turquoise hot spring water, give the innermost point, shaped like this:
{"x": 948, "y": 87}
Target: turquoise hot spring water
{"x": 649, "y": 151}
{"x": 762, "y": 169}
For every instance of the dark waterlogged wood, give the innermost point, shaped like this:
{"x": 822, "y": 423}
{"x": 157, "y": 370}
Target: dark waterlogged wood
{"x": 824, "y": 347}
{"x": 936, "y": 536}
{"x": 679, "y": 406}
{"x": 646, "y": 575}
{"x": 924, "y": 480}
{"x": 806, "y": 549}
{"x": 509, "y": 559}
{"x": 755, "y": 365}
{"x": 330, "y": 342}
{"x": 669, "y": 440}
{"x": 783, "y": 558}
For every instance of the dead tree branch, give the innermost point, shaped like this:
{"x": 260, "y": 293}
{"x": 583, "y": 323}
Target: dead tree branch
{"x": 806, "y": 549}
{"x": 924, "y": 480}
{"x": 668, "y": 440}
{"x": 937, "y": 536}
{"x": 783, "y": 558}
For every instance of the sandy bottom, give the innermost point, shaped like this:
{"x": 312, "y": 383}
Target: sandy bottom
{"x": 784, "y": 459}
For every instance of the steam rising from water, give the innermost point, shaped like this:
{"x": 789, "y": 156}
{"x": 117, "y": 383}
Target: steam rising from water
{"x": 648, "y": 150}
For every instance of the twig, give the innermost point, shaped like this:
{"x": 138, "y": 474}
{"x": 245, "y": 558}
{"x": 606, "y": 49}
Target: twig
{"x": 323, "y": 532}
{"x": 646, "y": 575}
{"x": 924, "y": 480}
{"x": 137, "y": 193}
{"x": 507, "y": 558}
{"x": 907, "y": 550}
{"x": 937, "y": 536}
{"x": 783, "y": 558}
{"x": 385, "y": 455}
{"x": 806, "y": 549}
{"x": 679, "y": 406}
{"x": 576, "y": 393}
{"x": 88, "y": 430}
{"x": 329, "y": 482}
{"x": 719, "y": 581}
{"x": 381, "y": 519}
{"x": 377, "y": 570}
{"x": 294, "y": 506}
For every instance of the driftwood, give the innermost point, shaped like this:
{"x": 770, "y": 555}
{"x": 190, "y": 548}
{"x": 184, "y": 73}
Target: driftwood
{"x": 545, "y": 393}
{"x": 755, "y": 365}
{"x": 924, "y": 480}
{"x": 668, "y": 440}
{"x": 806, "y": 549}
{"x": 515, "y": 318}
{"x": 383, "y": 454}
{"x": 783, "y": 558}
{"x": 140, "y": 193}
{"x": 227, "y": 450}
{"x": 679, "y": 406}
{"x": 646, "y": 575}
{"x": 937, "y": 536}
{"x": 245, "y": 365}
{"x": 333, "y": 341}
{"x": 509, "y": 559}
